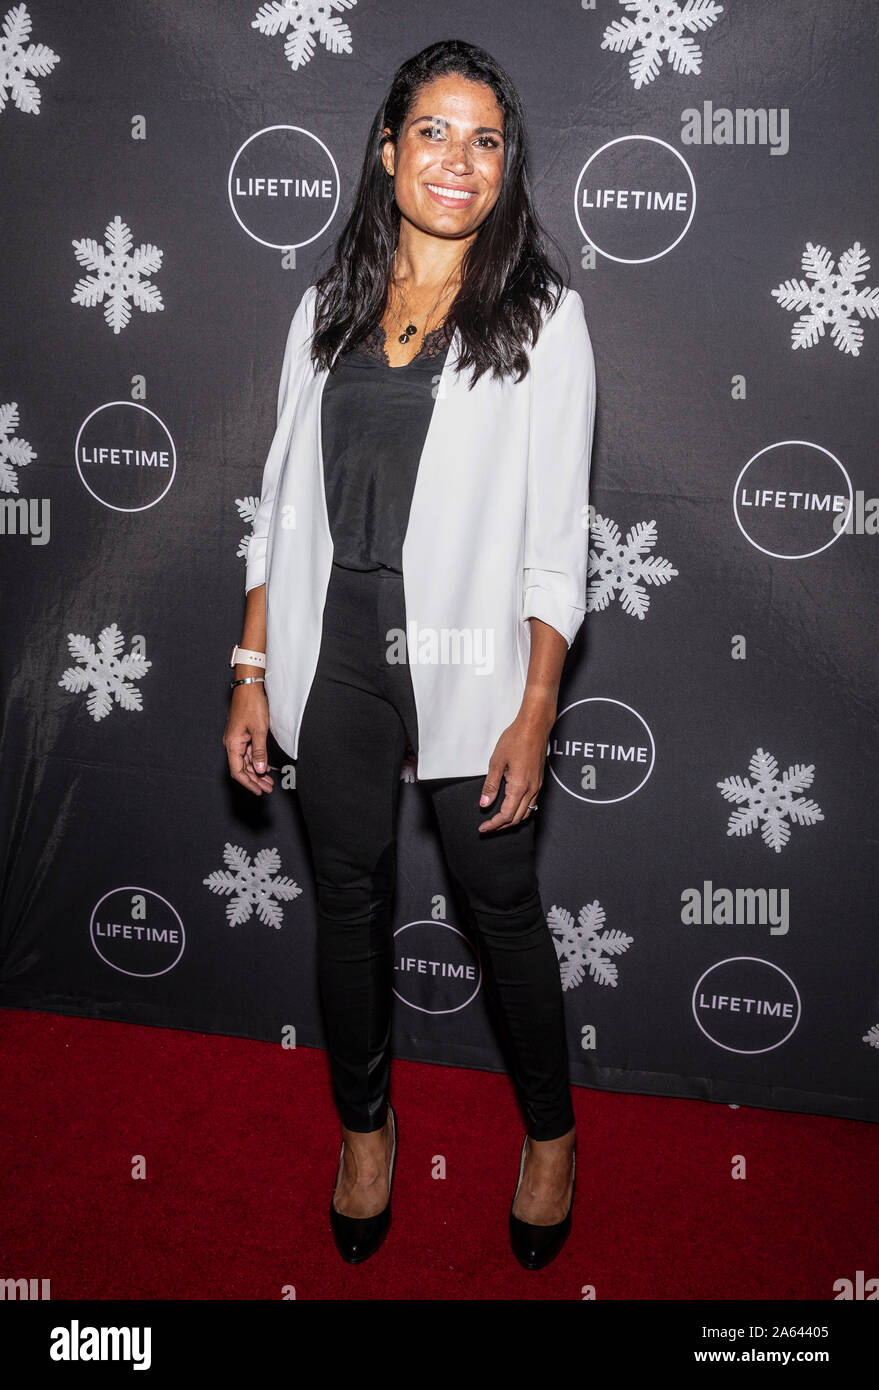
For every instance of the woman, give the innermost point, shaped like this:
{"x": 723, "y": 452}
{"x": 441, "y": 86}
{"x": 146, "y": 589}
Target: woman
{"x": 418, "y": 572}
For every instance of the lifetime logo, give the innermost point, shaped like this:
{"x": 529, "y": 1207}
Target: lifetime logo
{"x": 746, "y": 1005}
{"x": 436, "y": 970}
{"x": 284, "y": 188}
{"x": 118, "y": 455}
{"x": 784, "y": 497}
{"x": 634, "y": 199}
{"x": 738, "y": 1003}
{"x": 436, "y": 967}
{"x": 280, "y": 187}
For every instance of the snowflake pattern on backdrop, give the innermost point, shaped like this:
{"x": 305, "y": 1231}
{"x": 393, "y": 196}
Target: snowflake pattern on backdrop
{"x": 582, "y": 945}
{"x": 308, "y": 19}
{"x": 770, "y": 799}
{"x": 831, "y": 298}
{"x": 247, "y": 510}
{"x": 117, "y": 272}
{"x": 105, "y": 672}
{"x": 19, "y": 65}
{"x": 660, "y": 29}
{"x": 14, "y": 452}
{"x": 623, "y": 566}
{"x": 872, "y": 1037}
{"x": 254, "y": 887}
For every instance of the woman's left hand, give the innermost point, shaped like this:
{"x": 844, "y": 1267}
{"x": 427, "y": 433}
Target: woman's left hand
{"x": 520, "y": 758}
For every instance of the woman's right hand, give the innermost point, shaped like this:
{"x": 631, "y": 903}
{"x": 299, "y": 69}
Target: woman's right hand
{"x": 245, "y": 738}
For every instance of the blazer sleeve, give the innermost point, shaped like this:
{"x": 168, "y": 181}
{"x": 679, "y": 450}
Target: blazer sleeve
{"x": 559, "y": 460}
{"x": 298, "y": 338}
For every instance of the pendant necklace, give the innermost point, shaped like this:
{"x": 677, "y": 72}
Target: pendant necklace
{"x": 410, "y": 329}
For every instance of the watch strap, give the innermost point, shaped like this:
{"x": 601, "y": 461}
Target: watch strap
{"x": 245, "y": 657}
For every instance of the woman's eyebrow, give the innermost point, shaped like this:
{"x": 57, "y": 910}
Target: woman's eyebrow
{"x": 477, "y": 130}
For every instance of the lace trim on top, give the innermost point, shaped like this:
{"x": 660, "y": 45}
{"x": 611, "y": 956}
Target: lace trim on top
{"x": 433, "y": 344}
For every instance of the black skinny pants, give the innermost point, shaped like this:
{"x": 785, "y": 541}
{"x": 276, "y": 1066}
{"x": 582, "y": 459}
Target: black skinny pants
{"x": 351, "y": 745}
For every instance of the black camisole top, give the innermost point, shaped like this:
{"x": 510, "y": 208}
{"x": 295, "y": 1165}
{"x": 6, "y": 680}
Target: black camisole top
{"x": 374, "y": 421}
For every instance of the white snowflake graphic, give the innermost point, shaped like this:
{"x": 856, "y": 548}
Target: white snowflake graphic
{"x": 308, "y": 18}
{"x": 623, "y": 566}
{"x": 14, "y": 452}
{"x": 247, "y": 510}
{"x": 117, "y": 275}
{"x": 831, "y": 298}
{"x": 770, "y": 799}
{"x": 104, "y": 671}
{"x": 19, "y": 65}
{"x": 659, "y": 28}
{"x": 582, "y": 945}
{"x": 254, "y": 887}
{"x": 872, "y": 1037}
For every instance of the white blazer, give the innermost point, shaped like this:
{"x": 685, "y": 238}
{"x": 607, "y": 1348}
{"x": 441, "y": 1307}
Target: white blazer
{"x": 497, "y": 534}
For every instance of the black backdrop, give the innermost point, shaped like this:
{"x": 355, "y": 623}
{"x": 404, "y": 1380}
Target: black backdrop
{"x": 707, "y": 841}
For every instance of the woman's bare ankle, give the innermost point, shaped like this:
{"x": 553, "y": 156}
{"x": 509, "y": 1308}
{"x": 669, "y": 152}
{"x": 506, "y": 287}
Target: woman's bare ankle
{"x": 363, "y": 1184}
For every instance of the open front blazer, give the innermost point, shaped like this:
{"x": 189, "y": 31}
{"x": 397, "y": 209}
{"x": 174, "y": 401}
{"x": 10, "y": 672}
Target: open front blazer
{"x": 497, "y": 534}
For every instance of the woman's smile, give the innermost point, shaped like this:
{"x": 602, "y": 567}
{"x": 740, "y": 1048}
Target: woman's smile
{"x": 449, "y": 196}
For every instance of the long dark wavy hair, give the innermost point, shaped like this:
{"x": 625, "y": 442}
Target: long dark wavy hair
{"x": 507, "y": 281}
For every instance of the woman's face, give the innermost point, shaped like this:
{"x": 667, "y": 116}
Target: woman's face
{"x": 450, "y": 144}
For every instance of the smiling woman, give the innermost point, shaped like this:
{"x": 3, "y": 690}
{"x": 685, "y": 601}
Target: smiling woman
{"x": 445, "y": 185}
{"x": 448, "y": 172}
{"x": 433, "y": 444}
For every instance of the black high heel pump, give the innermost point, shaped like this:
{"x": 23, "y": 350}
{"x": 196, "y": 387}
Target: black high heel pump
{"x": 358, "y": 1237}
{"x": 535, "y": 1246}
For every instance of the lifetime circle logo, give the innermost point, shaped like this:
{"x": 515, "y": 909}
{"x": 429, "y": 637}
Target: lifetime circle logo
{"x": 284, "y": 187}
{"x": 436, "y": 970}
{"x": 746, "y": 1004}
{"x": 601, "y": 750}
{"x": 634, "y": 199}
{"x": 125, "y": 456}
{"x": 789, "y": 497}
{"x": 137, "y": 932}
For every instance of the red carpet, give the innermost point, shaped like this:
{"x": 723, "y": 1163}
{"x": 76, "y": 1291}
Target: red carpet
{"x": 240, "y": 1143}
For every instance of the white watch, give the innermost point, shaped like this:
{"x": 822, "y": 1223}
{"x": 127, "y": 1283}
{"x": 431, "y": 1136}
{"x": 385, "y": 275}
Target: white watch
{"x": 247, "y": 657}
